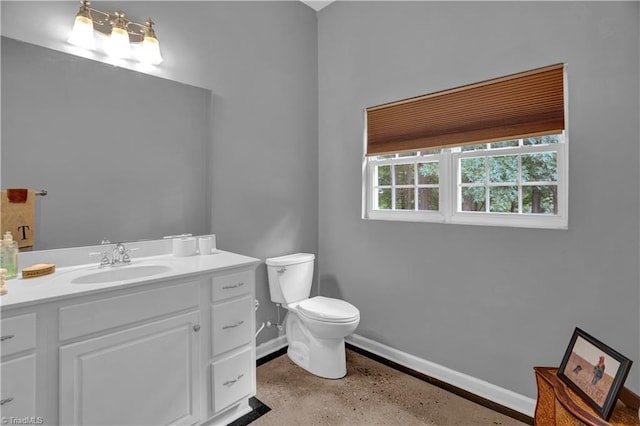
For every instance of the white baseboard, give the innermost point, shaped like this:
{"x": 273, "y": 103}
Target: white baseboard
{"x": 502, "y": 396}
{"x": 468, "y": 383}
{"x": 271, "y": 346}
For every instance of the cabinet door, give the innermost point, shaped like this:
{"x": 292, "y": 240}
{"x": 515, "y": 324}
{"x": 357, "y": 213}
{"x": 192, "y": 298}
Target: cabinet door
{"x": 146, "y": 375}
{"x": 18, "y": 399}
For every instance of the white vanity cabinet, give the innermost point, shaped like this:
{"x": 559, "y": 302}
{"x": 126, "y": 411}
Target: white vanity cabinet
{"x": 174, "y": 351}
{"x": 18, "y": 367}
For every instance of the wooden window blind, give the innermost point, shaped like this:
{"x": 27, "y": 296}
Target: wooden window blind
{"x": 521, "y": 105}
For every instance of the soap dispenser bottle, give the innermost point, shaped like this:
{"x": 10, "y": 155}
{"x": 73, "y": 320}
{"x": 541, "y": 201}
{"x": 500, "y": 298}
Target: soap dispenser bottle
{"x": 9, "y": 255}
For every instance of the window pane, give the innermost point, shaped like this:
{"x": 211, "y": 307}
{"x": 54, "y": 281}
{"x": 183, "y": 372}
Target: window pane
{"x": 540, "y": 167}
{"x": 405, "y": 199}
{"x": 384, "y": 175}
{"x": 385, "y": 157}
{"x": 541, "y": 199}
{"x": 504, "y": 144}
{"x": 503, "y": 199}
{"x": 472, "y": 170}
{"x": 474, "y": 147}
{"x": 428, "y": 173}
{"x": 473, "y": 199}
{"x": 384, "y": 199}
{"x": 405, "y": 174}
{"x": 431, "y": 151}
{"x": 541, "y": 140}
{"x": 503, "y": 168}
{"x": 428, "y": 199}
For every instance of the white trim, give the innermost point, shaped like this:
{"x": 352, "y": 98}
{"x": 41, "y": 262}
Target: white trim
{"x": 510, "y": 220}
{"x": 270, "y": 346}
{"x": 497, "y": 394}
{"x": 406, "y": 215}
{"x": 484, "y": 389}
{"x": 366, "y": 194}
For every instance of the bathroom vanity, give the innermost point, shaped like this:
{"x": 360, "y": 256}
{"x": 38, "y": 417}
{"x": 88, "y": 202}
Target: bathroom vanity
{"x": 168, "y": 341}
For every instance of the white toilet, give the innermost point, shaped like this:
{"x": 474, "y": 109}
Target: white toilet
{"x": 316, "y": 326}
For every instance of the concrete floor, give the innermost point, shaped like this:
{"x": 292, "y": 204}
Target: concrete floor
{"x": 370, "y": 394}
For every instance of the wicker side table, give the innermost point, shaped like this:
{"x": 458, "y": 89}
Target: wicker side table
{"x": 560, "y": 405}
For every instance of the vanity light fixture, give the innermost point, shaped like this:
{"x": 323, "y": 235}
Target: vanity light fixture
{"x": 121, "y": 32}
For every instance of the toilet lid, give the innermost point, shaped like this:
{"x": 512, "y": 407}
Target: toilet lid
{"x": 290, "y": 259}
{"x": 328, "y": 309}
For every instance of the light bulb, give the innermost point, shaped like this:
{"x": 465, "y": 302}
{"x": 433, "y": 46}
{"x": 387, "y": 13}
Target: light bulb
{"x": 82, "y": 33}
{"x": 151, "y": 51}
{"x": 119, "y": 43}
{"x": 150, "y": 46}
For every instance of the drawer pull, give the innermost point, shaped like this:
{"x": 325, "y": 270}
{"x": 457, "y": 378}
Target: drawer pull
{"x": 230, "y": 383}
{"x": 196, "y": 328}
{"x": 7, "y": 337}
{"x": 233, "y": 326}
{"x": 4, "y": 401}
{"x": 227, "y": 287}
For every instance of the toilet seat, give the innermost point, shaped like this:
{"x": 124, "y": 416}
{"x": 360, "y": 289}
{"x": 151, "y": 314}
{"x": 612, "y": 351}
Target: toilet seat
{"x": 327, "y": 309}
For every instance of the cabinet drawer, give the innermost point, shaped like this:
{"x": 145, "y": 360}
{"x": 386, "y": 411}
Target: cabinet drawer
{"x": 18, "y": 397}
{"x": 18, "y": 334}
{"x": 81, "y": 319}
{"x": 229, "y": 285}
{"x": 231, "y": 324}
{"x": 232, "y": 379}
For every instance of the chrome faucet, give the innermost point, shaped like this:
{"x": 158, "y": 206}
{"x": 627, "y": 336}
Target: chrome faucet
{"x": 119, "y": 255}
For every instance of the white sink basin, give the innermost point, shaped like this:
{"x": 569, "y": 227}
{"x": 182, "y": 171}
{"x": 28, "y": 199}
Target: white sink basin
{"x": 121, "y": 273}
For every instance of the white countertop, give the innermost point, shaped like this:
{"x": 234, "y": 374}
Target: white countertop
{"x": 24, "y": 292}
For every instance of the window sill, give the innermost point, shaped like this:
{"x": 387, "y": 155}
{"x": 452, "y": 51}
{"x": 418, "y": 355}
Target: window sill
{"x": 477, "y": 219}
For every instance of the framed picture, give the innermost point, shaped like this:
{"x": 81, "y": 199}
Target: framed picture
{"x": 595, "y": 371}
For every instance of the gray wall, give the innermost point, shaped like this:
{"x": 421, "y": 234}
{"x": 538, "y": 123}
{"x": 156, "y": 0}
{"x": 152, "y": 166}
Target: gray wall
{"x": 123, "y": 155}
{"x": 265, "y": 143}
{"x": 490, "y": 302}
{"x": 260, "y": 61}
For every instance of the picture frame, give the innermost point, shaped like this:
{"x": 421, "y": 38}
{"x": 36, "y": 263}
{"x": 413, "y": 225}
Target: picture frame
{"x": 594, "y": 371}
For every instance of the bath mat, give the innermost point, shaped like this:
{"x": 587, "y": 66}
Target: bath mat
{"x": 259, "y": 409}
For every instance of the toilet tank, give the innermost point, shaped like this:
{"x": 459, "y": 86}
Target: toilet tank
{"x": 290, "y": 277}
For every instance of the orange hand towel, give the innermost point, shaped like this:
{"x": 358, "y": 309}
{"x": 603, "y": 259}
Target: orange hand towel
{"x": 17, "y": 195}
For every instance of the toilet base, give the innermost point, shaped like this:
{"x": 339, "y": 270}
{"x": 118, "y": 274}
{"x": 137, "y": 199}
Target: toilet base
{"x": 322, "y": 357}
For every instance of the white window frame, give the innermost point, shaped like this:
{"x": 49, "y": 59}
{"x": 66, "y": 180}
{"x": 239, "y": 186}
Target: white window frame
{"x": 449, "y": 189}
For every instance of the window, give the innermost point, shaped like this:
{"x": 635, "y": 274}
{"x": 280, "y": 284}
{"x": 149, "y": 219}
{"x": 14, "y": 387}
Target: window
{"x": 518, "y": 182}
{"x": 509, "y": 181}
